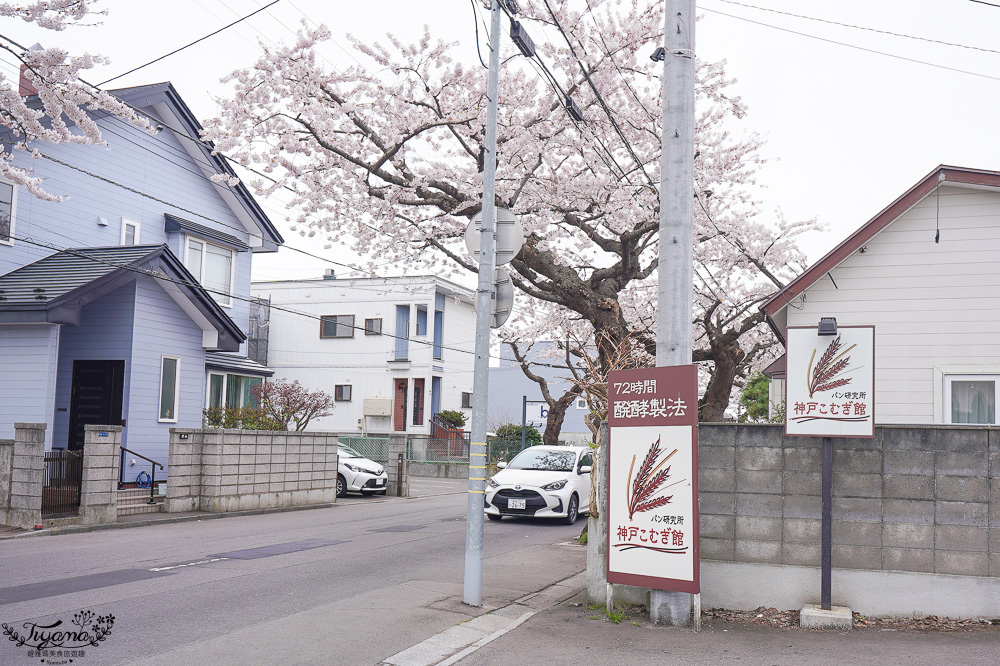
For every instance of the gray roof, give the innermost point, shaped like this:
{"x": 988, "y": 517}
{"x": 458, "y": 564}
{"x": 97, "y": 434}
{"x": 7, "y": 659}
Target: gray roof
{"x": 228, "y": 361}
{"x": 58, "y": 274}
{"x": 55, "y": 289}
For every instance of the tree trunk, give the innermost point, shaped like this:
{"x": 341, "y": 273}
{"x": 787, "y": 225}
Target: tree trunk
{"x": 557, "y": 414}
{"x": 716, "y": 399}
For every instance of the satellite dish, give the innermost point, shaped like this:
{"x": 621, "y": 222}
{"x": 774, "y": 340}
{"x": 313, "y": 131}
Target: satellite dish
{"x": 503, "y": 298}
{"x": 509, "y": 236}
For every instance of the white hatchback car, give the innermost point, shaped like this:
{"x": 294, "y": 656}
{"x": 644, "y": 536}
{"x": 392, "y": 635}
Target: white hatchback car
{"x": 542, "y": 481}
{"x": 358, "y": 474}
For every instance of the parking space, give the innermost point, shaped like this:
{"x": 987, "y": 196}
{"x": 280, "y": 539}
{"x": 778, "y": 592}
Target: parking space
{"x": 422, "y": 486}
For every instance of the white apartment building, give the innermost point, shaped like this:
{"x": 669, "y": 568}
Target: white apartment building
{"x": 392, "y": 351}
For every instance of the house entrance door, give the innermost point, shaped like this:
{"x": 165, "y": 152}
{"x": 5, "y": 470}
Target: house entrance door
{"x": 98, "y": 389}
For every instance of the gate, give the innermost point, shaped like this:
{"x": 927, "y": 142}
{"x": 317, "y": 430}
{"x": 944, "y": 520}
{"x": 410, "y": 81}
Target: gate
{"x": 62, "y": 481}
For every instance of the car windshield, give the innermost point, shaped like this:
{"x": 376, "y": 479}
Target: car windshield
{"x": 544, "y": 460}
{"x": 348, "y": 452}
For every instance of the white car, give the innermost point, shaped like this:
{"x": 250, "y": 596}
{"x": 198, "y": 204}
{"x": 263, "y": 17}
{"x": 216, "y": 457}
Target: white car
{"x": 358, "y": 474}
{"x": 542, "y": 481}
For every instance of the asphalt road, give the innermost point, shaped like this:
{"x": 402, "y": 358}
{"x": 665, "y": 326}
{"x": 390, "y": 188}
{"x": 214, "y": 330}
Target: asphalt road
{"x": 351, "y": 584}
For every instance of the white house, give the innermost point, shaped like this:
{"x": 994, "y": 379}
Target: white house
{"x": 924, "y": 272}
{"x": 392, "y": 351}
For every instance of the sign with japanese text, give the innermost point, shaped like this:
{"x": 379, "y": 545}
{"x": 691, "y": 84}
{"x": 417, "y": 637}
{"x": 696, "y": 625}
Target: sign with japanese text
{"x": 653, "y": 478}
{"x": 830, "y": 382}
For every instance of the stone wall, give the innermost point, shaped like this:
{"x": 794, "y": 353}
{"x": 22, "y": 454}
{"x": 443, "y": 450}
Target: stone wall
{"x": 99, "y": 493}
{"x": 233, "y": 470}
{"x": 918, "y": 499}
{"x": 27, "y": 465}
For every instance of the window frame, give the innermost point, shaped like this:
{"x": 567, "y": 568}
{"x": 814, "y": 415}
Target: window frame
{"x": 339, "y": 390}
{"x": 13, "y": 213}
{"x": 228, "y": 302}
{"x": 177, "y": 388}
{"x": 371, "y": 330}
{"x": 580, "y": 403}
{"x": 323, "y": 319}
{"x": 136, "y": 239}
{"x": 952, "y": 377}
{"x": 224, "y": 402}
{"x": 466, "y": 399}
{"x": 208, "y": 389}
{"x": 419, "y": 331}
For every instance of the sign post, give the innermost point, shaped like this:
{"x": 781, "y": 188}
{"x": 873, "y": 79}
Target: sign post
{"x": 653, "y": 478}
{"x": 829, "y": 392}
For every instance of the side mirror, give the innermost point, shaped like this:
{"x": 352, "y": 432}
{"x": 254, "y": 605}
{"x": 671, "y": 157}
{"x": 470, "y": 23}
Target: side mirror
{"x": 501, "y": 465}
{"x": 585, "y": 469}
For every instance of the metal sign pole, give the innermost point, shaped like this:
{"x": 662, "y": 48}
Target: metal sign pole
{"x": 826, "y": 594}
{"x": 473, "y": 590}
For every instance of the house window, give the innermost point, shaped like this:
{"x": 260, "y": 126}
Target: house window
{"x": 169, "y": 388}
{"x": 438, "y": 327}
{"x": 130, "y": 232}
{"x": 581, "y": 403}
{"x": 971, "y": 398}
{"x": 8, "y": 209}
{"x": 466, "y": 399}
{"x": 421, "y": 320}
{"x": 402, "y": 332}
{"x": 212, "y": 266}
{"x": 373, "y": 326}
{"x": 342, "y": 393}
{"x": 228, "y": 390}
{"x": 336, "y": 326}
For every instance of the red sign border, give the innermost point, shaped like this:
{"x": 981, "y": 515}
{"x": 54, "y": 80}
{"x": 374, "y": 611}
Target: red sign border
{"x": 687, "y": 374}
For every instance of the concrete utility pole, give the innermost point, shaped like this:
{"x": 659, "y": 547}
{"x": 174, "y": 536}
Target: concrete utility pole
{"x": 676, "y": 279}
{"x": 484, "y": 314}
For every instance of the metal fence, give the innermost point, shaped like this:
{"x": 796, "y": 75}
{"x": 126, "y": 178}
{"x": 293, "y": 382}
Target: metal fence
{"x": 423, "y": 448}
{"x": 498, "y": 450}
{"x": 373, "y": 448}
{"x": 63, "y": 477}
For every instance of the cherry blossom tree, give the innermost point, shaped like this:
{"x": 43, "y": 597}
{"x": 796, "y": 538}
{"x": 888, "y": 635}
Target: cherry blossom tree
{"x": 290, "y": 402}
{"x": 50, "y": 103}
{"x": 389, "y": 162}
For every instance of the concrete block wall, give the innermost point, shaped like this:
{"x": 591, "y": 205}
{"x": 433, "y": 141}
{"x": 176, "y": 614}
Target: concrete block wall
{"x": 24, "y": 508}
{"x": 99, "y": 492}
{"x": 6, "y": 463}
{"x": 232, "y": 470}
{"x": 923, "y": 499}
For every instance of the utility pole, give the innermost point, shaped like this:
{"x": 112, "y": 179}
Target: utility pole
{"x": 484, "y": 307}
{"x": 676, "y": 251}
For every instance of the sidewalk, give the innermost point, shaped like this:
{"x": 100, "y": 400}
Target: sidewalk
{"x": 555, "y": 626}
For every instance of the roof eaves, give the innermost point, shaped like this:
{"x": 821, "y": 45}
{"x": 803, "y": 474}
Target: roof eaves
{"x": 926, "y": 185}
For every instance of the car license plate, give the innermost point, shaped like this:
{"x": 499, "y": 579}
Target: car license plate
{"x": 515, "y": 504}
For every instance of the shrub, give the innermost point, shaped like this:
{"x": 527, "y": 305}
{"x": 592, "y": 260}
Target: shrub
{"x": 453, "y": 418}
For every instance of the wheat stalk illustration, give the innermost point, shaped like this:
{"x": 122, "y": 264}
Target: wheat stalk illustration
{"x": 824, "y": 376}
{"x": 641, "y": 494}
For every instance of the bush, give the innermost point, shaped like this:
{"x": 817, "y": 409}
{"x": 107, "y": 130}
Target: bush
{"x": 236, "y": 418}
{"x": 452, "y": 417}
{"x": 512, "y": 431}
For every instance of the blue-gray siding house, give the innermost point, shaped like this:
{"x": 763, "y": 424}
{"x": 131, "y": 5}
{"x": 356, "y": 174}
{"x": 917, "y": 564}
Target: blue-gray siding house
{"x": 129, "y": 301}
{"x": 509, "y": 388}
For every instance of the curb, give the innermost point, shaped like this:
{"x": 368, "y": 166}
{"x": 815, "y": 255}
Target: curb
{"x": 452, "y": 645}
{"x": 168, "y": 519}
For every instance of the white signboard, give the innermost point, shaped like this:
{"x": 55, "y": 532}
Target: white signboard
{"x": 830, "y": 382}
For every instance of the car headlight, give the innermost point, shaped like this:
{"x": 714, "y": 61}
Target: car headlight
{"x": 354, "y": 468}
{"x": 492, "y": 483}
{"x": 556, "y": 485}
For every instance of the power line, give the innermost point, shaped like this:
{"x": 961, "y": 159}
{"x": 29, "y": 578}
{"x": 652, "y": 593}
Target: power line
{"x": 600, "y": 99}
{"x": 852, "y": 46}
{"x": 861, "y": 27}
{"x": 247, "y": 299}
{"x": 201, "y": 39}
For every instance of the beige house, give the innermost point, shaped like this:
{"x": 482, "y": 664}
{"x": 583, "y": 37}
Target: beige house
{"x": 925, "y": 273}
